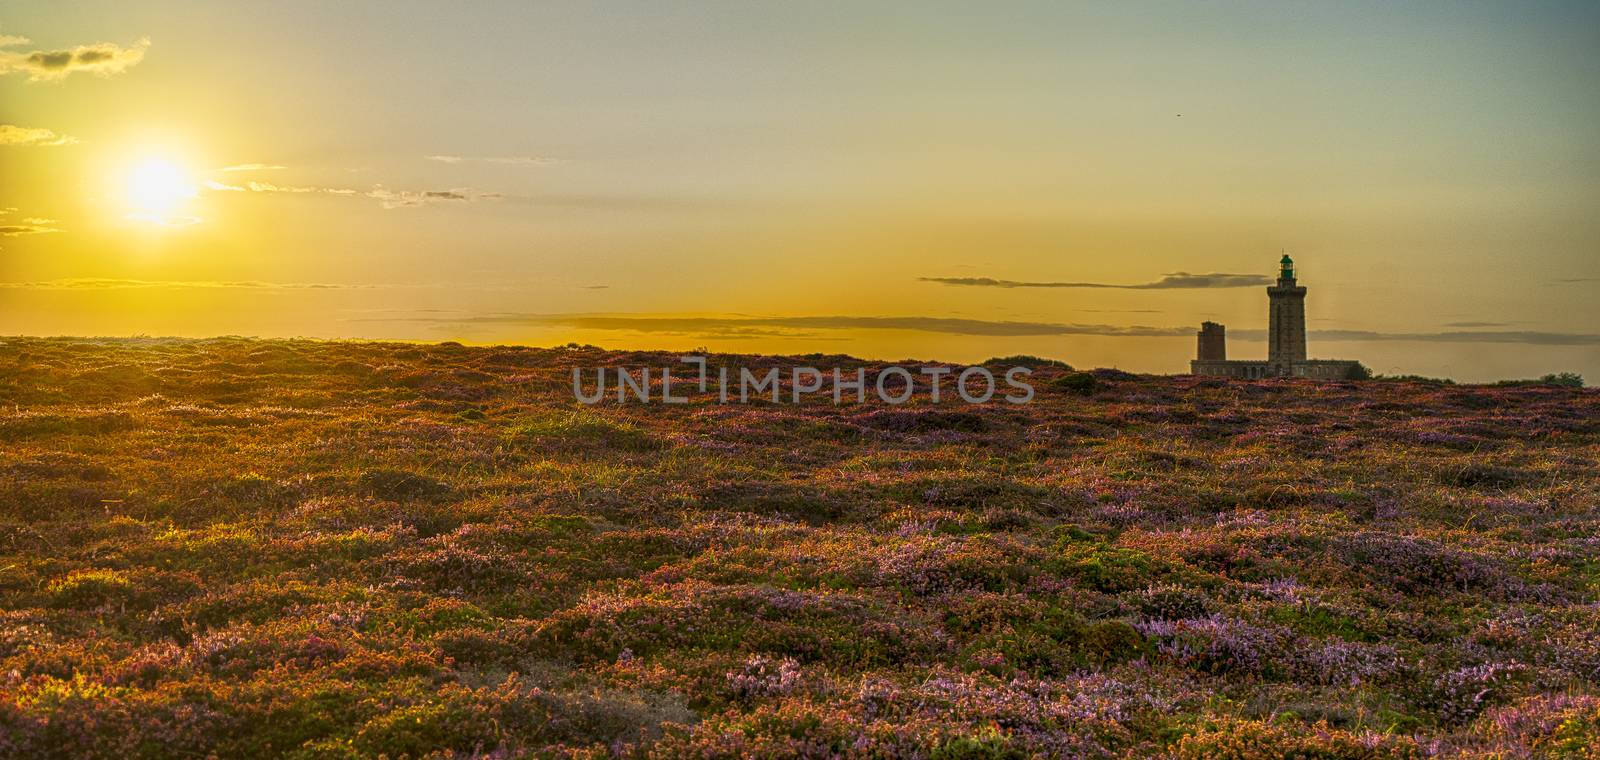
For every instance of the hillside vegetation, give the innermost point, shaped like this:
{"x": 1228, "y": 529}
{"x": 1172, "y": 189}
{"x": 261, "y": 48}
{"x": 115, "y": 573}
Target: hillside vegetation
{"x": 243, "y": 548}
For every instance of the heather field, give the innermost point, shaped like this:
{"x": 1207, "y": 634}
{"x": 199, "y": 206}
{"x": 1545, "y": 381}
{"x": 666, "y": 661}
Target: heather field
{"x": 242, "y": 548}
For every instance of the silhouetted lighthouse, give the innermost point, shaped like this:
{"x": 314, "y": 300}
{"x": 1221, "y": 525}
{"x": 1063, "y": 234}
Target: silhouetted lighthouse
{"x": 1286, "y": 320}
{"x": 1286, "y": 341}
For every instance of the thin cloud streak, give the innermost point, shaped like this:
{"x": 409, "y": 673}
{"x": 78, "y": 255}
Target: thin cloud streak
{"x": 676, "y": 324}
{"x": 1528, "y": 337}
{"x": 11, "y": 134}
{"x": 645, "y": 323}
{"x": 386, "y": 197}
{"x": 1173, "y": 281}
{"x": 1523, "y": 337}
{"x": 505, "y": 160}
{"x": 390, "y": 198}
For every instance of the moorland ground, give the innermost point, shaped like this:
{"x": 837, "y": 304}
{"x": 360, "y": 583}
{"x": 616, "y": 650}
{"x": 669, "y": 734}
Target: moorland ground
{"x": 243, "y": 548}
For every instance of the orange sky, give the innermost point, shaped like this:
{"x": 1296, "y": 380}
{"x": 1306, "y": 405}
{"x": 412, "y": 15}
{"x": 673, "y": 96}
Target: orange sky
{"x": 821, "y": 177}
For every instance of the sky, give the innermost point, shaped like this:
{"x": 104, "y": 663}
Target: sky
{"x": 950, "y": 181}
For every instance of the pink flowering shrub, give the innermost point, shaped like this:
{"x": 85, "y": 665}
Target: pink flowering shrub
{"x": 761, "y": 676}
{"x": 304, "y": 549}
{"x": 1219, "y": 644}
{"x": 1460, "y": 695}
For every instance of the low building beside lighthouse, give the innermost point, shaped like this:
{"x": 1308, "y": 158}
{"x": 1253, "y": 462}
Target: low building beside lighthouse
{"x": 1286, "y": 341}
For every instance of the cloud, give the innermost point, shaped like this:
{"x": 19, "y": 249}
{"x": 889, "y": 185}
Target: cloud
{"x": 1522, "y": 337}
{"x": 28, "y": 227}
{"x": 252, "y": 167}
{"x": 596, "y": 287}
{"x": 104, "y": 283}
{"x": 402, "y": 198}
{"x": 268, "y": 187}
{"x": 1173, "y": 281}
{"x": 386, "y": 197}
{"x": 392, "y": 310}
{"x": 707, "y": 325}
{"x": 1477, "y": 324}
{"x": 506, "y": 160}
{"x": 791, "y": 327}
{"x": 11, "y": 134}
{"x": 101, "y": 58}
{"x": 406, "y": 198}
{"x": 1527, "y": 337}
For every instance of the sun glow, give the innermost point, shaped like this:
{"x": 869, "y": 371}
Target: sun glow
{"x": 158, "y": 189}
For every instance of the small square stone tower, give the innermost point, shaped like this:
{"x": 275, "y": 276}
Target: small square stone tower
{"x": 1286, "y": 320}
{"x": 1213, "y": 343}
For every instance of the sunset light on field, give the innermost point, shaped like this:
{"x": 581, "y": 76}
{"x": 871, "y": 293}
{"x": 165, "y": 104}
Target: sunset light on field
{"x": 828, "y": 380}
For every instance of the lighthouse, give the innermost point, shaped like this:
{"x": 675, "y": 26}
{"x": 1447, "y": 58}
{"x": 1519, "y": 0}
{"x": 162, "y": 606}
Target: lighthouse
{"x": 1286, "y": 320}
{"x": 1286, "y": 341}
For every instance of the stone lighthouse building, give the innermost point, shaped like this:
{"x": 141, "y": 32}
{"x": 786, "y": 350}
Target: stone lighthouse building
{"x": 1286, "y": 317}
{"x": 1286, "y": 341}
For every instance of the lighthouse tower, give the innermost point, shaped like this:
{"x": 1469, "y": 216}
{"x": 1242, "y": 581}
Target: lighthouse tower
{"x": 1286, "y": 342}
{"x": 1286, "y": 321}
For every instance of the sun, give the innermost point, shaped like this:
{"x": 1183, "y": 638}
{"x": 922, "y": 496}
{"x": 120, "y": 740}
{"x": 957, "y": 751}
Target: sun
{"x": 158, "y": 188}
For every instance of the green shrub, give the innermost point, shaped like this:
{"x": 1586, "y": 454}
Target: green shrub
{"x": 581, "y": 428}
{"x": 989, "y": 744}
{"x": 397, "y": 485}
{"x": 1107, "y": 568}
{"x": 82, "y": 589}
{"x": 1257, "y": 740}
{"x": 1026, "y": 360}
{"x": 1081, "y": 383}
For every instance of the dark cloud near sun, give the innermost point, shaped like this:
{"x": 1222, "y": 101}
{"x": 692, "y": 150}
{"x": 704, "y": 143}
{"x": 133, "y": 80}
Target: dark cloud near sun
{"x": 100, "y": 58}
{"x": 28, "y": 227}
{"x": 1173, "y": 281}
